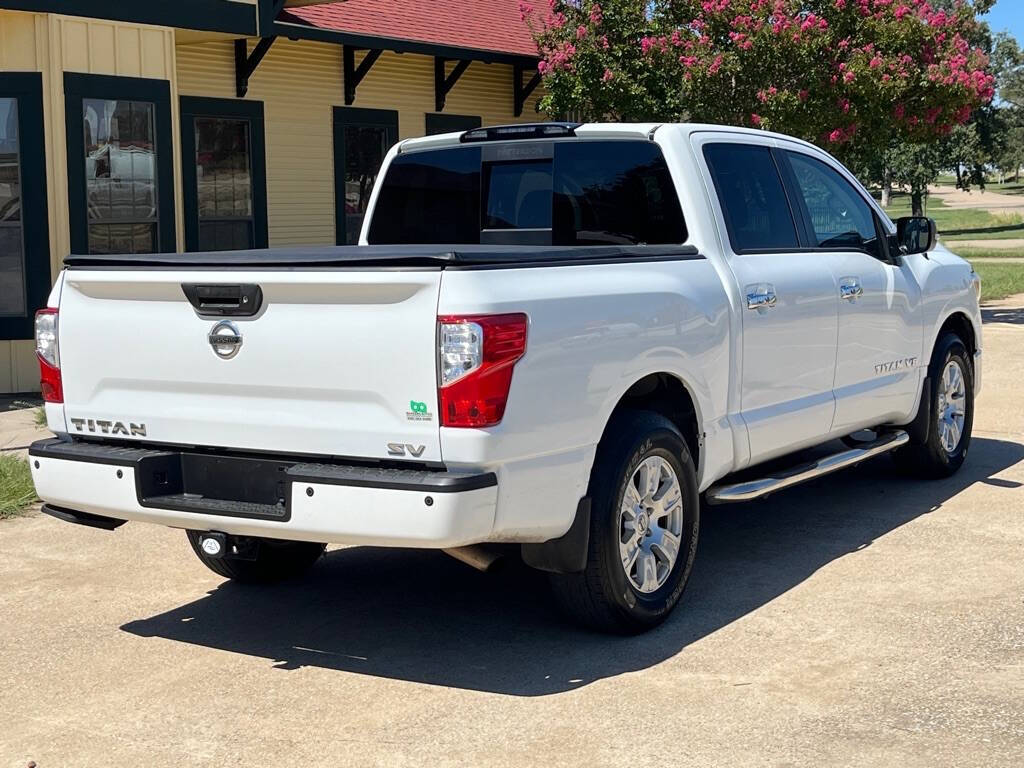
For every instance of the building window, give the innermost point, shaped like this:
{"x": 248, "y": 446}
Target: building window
{"x": 361, "y": 139}
{"x": 24, "y": 229}
{"x": 442, "y": 122}
{"x": 120, "y": 174}
{"x": 224, "y": 174}
{"x": 224, "y": 180}
{"x": 12, "y": 252}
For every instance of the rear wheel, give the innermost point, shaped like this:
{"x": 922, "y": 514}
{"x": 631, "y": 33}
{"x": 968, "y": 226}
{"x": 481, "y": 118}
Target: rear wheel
{"x": 645, "y": 518}
{"x": 951, "y": 416}
{"x": 265, "y": 561}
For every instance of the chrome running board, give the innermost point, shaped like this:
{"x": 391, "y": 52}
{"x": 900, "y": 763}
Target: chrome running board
{"x": 755, "y": 489}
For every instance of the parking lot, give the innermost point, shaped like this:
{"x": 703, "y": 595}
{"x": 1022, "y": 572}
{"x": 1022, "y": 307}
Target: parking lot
{"x": 864, "y": 619}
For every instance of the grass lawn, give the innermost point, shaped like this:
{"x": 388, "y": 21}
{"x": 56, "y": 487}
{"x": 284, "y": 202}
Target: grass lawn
{"x": 1009, "y": 188}
{"x": 963, "y": 223}
{"x": 985, "y": 253}
{"x": 999, "y": 280}
{"x": 16, "y": 489}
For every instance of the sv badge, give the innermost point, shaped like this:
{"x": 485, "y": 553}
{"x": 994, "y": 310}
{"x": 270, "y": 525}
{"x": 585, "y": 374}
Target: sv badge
{"x": 401, "y": 449}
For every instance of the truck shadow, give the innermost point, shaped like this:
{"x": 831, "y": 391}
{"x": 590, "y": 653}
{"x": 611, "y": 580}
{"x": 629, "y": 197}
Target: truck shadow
{"x": 421, "y": 616}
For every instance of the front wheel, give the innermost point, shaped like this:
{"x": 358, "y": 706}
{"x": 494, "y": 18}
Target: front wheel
{"x": 951, "y": 416}
{"x": 265, "y": 561}
{"x": 645, "y": 517}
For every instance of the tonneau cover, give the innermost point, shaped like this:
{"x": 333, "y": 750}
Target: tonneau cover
{"x": 436, "y": 256}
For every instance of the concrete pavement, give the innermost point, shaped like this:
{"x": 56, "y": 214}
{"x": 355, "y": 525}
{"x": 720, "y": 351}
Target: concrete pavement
{"x": 865, "y": 619}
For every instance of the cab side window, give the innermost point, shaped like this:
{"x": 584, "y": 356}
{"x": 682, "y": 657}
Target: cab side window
{"x": 749, "y": 187}
{"x": 838, "y": 215}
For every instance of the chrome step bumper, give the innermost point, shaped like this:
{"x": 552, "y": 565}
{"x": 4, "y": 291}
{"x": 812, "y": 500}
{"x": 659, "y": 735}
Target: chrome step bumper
{"x": 762, "y": 486}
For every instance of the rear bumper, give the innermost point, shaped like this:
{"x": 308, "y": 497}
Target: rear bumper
{"x": 323, "y": 502}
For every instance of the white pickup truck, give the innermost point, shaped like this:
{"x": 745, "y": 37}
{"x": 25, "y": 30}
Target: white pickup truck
{"x": 558, "y": 336}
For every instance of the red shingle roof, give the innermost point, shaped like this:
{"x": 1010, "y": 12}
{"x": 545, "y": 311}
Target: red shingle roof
{"x": 486, "y": 25}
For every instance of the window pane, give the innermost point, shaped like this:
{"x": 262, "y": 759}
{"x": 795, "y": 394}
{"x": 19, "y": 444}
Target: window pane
{"x": 223, "y": 167}
{"x": 229, "y": 235}
{"x": 122, "y": 238}
{"x": 365, "y": 146}
{"x": 12, "y": 273}
{"x": 518, "y": 195}
{"x": 752, "y": 197}
{"x": 120, "y": 175}
{"x": 840, "y": 217}
{"x": 430, "y": 197}
{"x": 12, "y": 262}
{"x": 614, "y": 192}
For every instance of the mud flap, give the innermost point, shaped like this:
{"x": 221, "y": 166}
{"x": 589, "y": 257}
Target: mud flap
{"x": 567, "y": 553}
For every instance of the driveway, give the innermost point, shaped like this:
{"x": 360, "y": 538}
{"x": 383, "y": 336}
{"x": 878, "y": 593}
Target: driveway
{"x": 865, "y": 619}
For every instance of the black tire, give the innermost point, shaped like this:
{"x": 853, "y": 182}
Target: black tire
{"x": 274, "y": 560}
{"x": 929, "y": 458}
{"x": 602, "y": 596}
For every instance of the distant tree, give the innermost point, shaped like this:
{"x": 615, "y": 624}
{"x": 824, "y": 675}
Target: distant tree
{"x": 855, "y": 76}
{"x": 916, "y": 165}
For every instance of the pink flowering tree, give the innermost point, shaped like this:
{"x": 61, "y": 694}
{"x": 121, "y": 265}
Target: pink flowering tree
{"x": 854, "y": 76}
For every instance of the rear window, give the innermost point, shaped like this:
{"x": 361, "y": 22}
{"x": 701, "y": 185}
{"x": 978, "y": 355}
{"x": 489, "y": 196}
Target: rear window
{"x": 578, "y": 193}
{"x": 749, "y": 187}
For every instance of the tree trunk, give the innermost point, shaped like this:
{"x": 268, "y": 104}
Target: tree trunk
{"x": 959, "y": 178}
{"x": 886, "y": 187}
{"x": 917, "y": 202}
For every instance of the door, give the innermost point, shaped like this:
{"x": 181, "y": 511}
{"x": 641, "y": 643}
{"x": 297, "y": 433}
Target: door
{"x": 789, "y": 303}
{"x": 877, "y": 365}
{"x": 224, "y": 174}
{"x": 24, "y": 231}
{"x": 361, "y": 139}
{"x": 120, "y": 169}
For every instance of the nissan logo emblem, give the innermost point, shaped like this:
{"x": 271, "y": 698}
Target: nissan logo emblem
{"x": 226, "y": 339}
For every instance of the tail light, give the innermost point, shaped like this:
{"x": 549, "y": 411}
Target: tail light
{"x": 476, "y": 357}
{"x": 48, "y": 352}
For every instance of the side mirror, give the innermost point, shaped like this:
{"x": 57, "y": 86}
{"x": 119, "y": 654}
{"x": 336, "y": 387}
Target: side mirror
{"x": 916, "y": 234}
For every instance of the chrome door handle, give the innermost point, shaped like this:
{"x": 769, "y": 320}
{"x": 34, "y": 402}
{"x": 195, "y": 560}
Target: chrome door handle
{"x": 761, "y": 299}
{"x": 850, "y": 290}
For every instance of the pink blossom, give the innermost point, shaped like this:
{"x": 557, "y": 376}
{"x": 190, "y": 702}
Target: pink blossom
{"x": 608, "y": 75}
{"x": 755, "y": 119}
{"x": 581, "y": 32}
{"x": 875, "y": 62}
{"x": 525, "y": 9}
{"x": 900, "y": 111}
{"x": 715, "y": 65}
{"x": 596, "y": 14}
{"x": 836, "y": 136}
{"x": 803, "y": 95}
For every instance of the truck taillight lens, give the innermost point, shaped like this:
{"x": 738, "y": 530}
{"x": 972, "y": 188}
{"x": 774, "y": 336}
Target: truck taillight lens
{"x": 476, "y": 357}
{"x": 48, "y": 352}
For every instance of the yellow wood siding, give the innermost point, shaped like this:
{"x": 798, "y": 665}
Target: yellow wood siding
{"x": 299, "y": 83}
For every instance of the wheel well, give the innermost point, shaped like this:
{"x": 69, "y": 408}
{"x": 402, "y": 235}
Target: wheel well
{"x": 960, "y": 324}
{"x": 665, "y": 394}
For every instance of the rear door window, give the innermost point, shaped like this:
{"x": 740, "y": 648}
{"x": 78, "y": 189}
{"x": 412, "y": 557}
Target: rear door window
{"x": 615, "y": 192}
{"x": 582, "y": 193}
{"x": 753, "y": 199}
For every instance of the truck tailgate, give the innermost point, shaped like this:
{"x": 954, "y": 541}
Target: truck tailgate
{"x": 335, "y": 362}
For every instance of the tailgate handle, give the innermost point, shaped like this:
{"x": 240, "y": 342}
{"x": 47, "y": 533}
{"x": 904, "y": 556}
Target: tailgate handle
{"x": 222, "y": 300}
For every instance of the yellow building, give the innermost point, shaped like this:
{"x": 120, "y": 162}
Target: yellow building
{"x": 164, "y": 125}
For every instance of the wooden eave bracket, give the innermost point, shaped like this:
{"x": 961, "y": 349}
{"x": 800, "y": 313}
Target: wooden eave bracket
{"x": 246, "y": 63}
{"x": 522, "y": 92}
{"x": 444, "y": 83}
{"x": 354, "y": 74}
